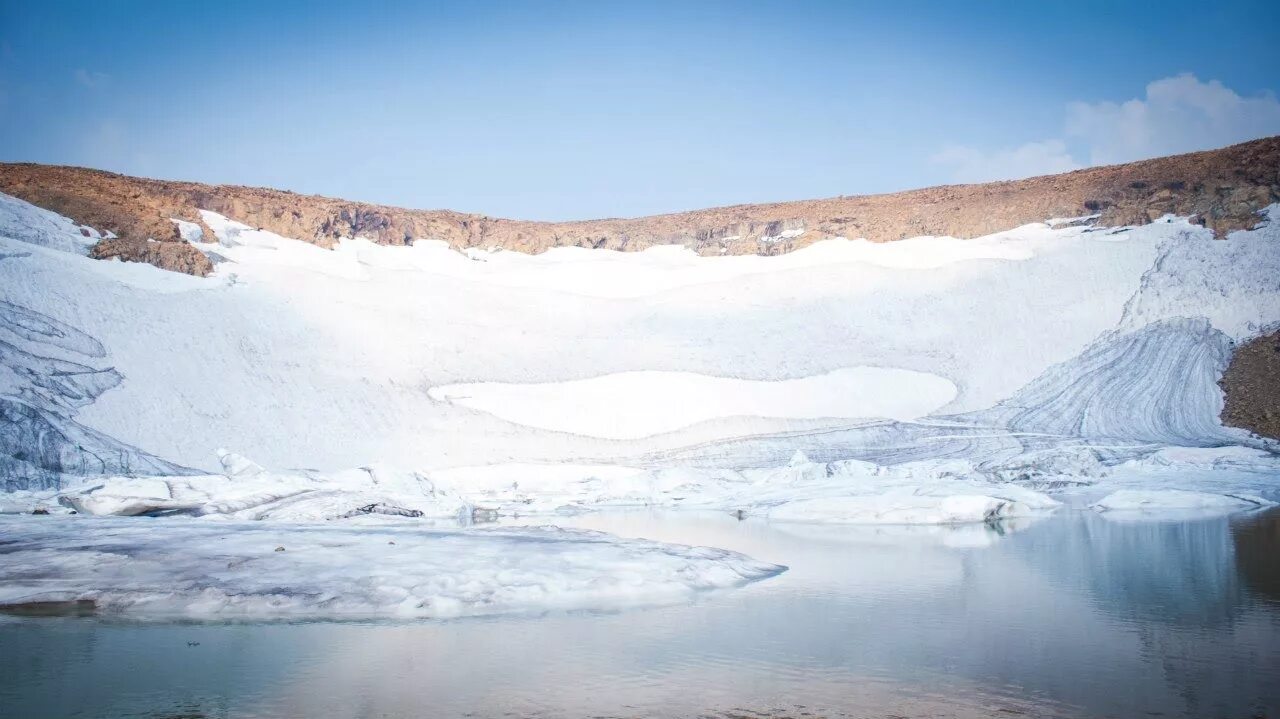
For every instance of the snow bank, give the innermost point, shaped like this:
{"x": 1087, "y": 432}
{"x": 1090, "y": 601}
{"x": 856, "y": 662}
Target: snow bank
{"x": 184, "y": 568}
{"x": 1231, "y": 284}
{"x": 1130, "y": 502}
{"x": 22, "y": 221}
{"x": 631, "y": 405}
{"x": 902, "y": 506}
{"x": 247, "y": 491}
{"x": 1218, "y": 458}
{"x": 849, "y": 492}
{"x": 615, "y": 275}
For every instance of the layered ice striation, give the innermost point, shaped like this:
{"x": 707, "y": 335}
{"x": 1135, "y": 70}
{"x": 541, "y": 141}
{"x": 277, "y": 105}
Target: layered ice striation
{"x": 1158, "y": 385}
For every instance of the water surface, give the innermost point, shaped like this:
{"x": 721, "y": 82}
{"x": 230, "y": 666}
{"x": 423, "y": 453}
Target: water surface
{"x": 1075, "y": 615}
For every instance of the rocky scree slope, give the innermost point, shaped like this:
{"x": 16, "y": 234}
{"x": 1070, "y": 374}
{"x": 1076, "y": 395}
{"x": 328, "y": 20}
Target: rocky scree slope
{"x": 1251, "y": 386}
{"x": 1223, "y": 189}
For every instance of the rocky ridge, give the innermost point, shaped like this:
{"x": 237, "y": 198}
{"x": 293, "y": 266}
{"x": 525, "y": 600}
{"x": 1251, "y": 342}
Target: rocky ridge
{"x": 1223, "y": 189}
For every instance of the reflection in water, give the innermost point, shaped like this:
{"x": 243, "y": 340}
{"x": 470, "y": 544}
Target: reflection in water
{"x": 1257, "y": 546}
{"x": 1178, "y": 572}
{"x": 1074, "y": 615}
{"x": 1174, "y": 589}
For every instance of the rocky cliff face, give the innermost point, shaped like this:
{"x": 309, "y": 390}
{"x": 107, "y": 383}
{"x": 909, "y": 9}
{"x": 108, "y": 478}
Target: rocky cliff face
{"x": 1223, "y": 188}
{"x": 174, "y": 255}
{"x": 1251, "y": 386}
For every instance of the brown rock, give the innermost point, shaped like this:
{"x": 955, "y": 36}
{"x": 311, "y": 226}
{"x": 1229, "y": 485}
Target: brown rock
{"x": 1251, "y": 386}
{"x": 175, "y": 256}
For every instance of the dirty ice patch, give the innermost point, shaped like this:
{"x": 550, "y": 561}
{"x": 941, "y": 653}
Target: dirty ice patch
{"x": 631, "y": 405}
{"x": 183, "y": 568}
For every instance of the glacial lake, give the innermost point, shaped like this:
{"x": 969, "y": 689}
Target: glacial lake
{"x": 1074, "y": 615}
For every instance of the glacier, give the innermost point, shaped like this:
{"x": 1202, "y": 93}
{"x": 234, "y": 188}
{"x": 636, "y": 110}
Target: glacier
{"x": 929, "y": 381}
{"x": 430, "y": 359}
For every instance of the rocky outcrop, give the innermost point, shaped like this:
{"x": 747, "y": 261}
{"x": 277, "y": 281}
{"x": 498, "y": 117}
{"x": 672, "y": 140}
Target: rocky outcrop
{"x": 1223, "y": 189}
{"x": 177, "y": 256}
{"x": 1251, "y": 385}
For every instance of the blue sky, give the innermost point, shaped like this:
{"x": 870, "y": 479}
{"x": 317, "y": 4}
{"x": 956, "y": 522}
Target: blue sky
{"x": 575, "y": 110}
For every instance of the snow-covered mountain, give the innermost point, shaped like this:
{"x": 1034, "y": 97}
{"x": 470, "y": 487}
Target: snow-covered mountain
{"x": 1043, "y": 353}
{"x": 400, "y": 388}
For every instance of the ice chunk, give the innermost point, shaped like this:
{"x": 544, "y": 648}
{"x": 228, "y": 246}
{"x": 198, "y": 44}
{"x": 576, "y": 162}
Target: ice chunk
{"x": 1134, "y": 502}
{"x": 187, "y": 568}
{"x": 239, "y": 466}
{"x": 249, "y": 491}
{"x": 900, "y": 507}
{"x": 847, "y": 491}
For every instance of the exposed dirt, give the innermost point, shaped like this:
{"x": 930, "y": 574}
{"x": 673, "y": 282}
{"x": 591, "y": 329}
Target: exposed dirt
{"x": 1223, "y": 188}
{"x": 1252, "y": 387}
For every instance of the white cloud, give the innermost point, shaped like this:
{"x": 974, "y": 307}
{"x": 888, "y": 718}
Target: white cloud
{"x": 970, "y": 164}
{"x": 91, "y": 79}
{"x": 1179, "y": 114}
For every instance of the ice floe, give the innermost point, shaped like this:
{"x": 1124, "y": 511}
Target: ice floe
{"x": 183, "y": 568}
{"x": 1131, "y": 502}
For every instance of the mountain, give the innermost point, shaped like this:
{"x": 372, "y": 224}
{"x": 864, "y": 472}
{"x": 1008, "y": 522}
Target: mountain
{"x": 942, "y": 355}
{"x": 1222, "y": 189}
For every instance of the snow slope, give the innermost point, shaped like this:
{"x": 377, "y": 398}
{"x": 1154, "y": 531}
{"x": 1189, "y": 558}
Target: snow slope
{"x": 634, "y": 405}
{"x": 1041, "y": 356}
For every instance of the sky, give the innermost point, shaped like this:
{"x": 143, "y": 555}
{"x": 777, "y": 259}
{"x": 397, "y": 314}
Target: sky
{"x": 566, "y": 110}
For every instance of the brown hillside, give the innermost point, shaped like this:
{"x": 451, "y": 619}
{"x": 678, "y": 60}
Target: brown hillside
{"x": 1223, "y": 188}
